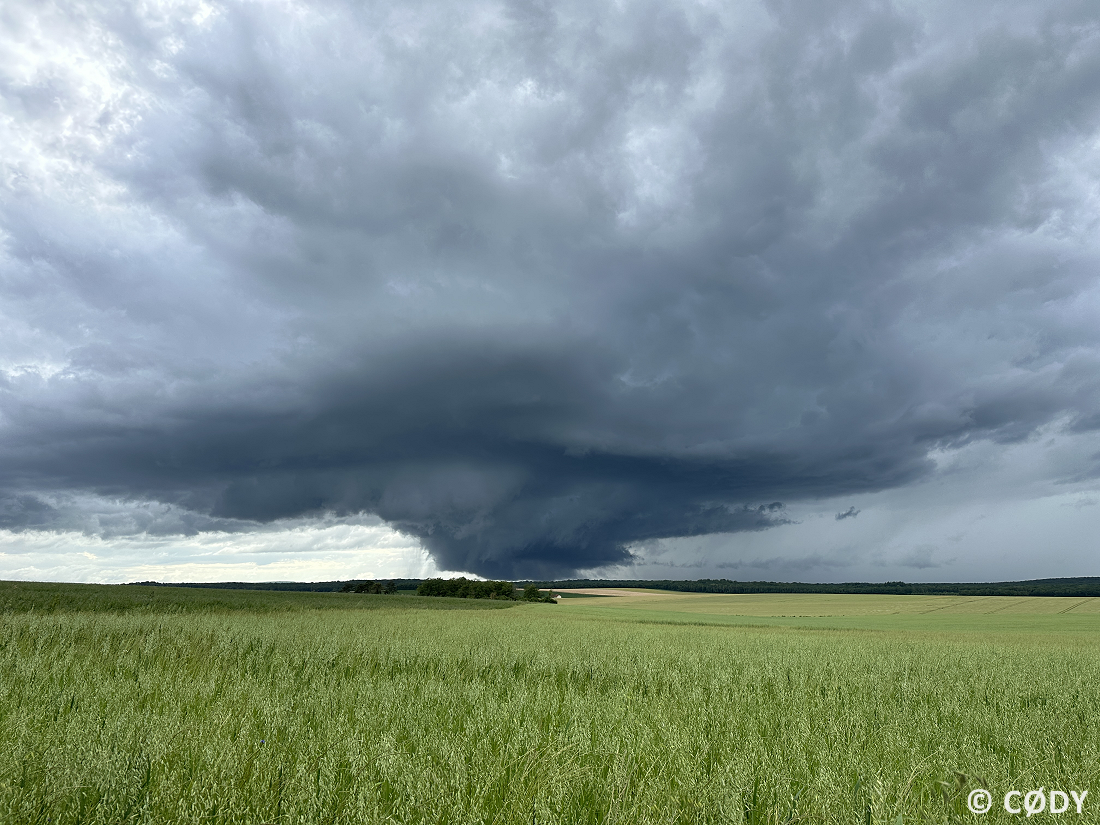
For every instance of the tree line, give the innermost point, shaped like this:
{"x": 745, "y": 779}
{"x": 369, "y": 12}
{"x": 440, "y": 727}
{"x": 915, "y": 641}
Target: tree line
{"x": 1080, "y": 587}
{"x": 463, "y": 588}
{"x": 369, "y": 587}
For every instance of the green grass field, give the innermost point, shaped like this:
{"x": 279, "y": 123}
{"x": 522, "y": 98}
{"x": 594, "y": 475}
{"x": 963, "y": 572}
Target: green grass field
{"x": 119, "y": 704}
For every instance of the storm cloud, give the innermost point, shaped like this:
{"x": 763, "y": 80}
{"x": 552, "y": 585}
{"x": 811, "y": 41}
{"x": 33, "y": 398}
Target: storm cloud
{"x": 535, "y": 283}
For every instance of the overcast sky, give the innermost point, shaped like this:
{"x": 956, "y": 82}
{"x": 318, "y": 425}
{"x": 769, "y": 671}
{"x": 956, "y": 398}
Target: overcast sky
{"x": 524, "y": 289}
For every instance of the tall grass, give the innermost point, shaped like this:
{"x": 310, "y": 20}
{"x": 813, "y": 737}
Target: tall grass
{"x": 526, "y": 714}
{"x": 43, "y": 597}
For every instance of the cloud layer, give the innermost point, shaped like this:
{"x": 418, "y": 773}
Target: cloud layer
{"x": 535, "y": 284}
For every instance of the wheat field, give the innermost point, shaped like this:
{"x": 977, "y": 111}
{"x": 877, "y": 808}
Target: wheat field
{"x": 121, "y": 706}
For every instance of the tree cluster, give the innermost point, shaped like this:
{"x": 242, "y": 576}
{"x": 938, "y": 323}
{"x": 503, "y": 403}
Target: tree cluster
{"x": 531, "y": 593}
{"x": 369, "y": 587}
{"x": 463, "y": 588}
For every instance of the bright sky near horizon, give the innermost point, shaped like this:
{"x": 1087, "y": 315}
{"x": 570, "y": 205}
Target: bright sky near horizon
{"x": 640, "y": 289}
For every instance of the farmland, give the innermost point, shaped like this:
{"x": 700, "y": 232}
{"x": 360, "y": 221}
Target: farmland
{"x": 118, "y": 704}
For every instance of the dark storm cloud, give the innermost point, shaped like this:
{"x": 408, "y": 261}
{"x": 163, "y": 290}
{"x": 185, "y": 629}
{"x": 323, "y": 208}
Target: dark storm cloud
{"x": 535, "y": 283}
{"x": 851, "y": 512}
